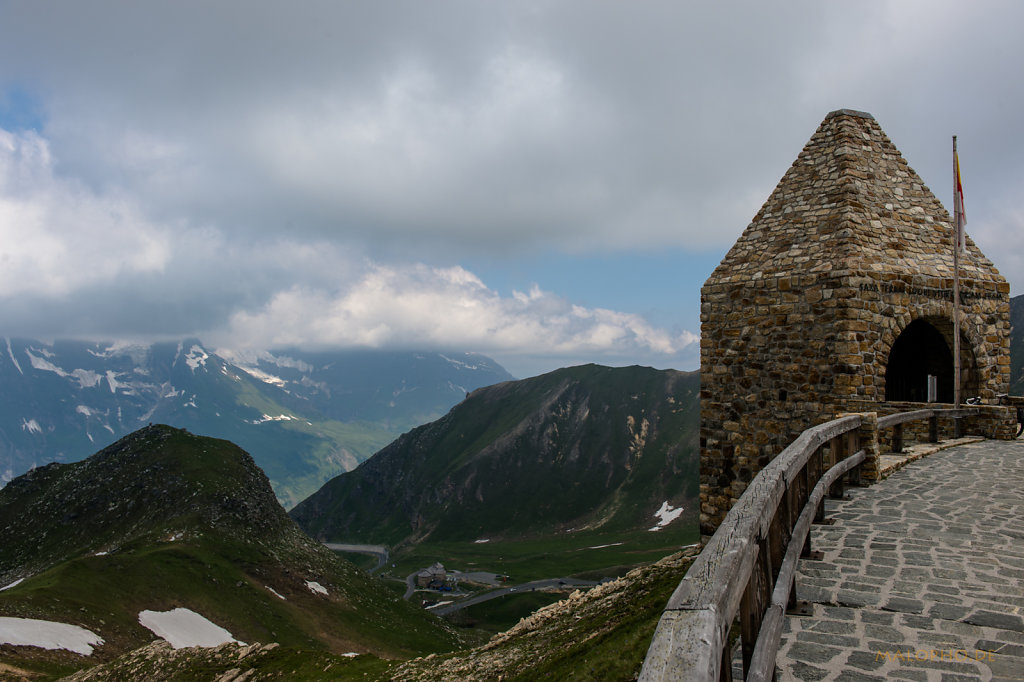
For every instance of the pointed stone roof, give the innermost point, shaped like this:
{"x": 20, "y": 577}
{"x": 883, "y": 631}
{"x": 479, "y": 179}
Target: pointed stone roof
{"x": 850, "y": 204}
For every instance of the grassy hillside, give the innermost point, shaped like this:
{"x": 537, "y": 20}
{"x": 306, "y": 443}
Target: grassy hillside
{"x": 601, "y": 635}
{"x": 580, "y": 448}
{"x": 165, "y": 519}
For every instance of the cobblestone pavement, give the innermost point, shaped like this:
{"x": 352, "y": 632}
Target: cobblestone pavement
{"x": 922, "y": 576}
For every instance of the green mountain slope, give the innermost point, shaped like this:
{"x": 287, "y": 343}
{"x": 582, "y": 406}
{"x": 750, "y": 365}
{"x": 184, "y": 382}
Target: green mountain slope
{"x": 165, "y": 519}
{"x": 585, "y": 446}
{"x": 1017, "y": 345}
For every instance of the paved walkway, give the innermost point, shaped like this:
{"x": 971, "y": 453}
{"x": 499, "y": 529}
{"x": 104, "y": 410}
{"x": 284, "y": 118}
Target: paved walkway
{"x": 922, "y": 578}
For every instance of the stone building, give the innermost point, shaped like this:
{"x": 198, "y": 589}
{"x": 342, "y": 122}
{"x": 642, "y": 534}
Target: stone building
{"x": 434, "y": 576}
{"x": 838, "y": 298}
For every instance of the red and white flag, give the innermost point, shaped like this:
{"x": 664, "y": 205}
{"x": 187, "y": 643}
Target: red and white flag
{"x": 958, "y": 203}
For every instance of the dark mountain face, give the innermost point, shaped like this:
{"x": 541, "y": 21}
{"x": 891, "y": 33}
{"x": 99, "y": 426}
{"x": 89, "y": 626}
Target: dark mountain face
{"x": 1017, "y": 345}
{"x": 165, "y": 519}
{"x": 580, "y": 447}
{"x": 150, "y": 485}
{"x": 305, "y": 416}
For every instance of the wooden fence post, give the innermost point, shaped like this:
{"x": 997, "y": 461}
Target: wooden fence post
{"x": 897, "y": 438}
{"x": 836, "y": 490}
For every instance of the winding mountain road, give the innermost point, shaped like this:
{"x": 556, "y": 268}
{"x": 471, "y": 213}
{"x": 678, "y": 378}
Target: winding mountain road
{"x": 379, "y": 551}
{"x": 525, "y": 587}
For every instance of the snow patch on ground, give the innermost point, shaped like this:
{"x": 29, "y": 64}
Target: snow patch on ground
{"x": 86, "y": 378}
{"x": 48, "y": 634}
{"x": 43, "y": 363}
{"x": 184, "y": 627}
{"x": 614, "y": 544}
{"x": 196, "y": 358}
{"x": 666, "y": 515}
{"x": 250, "y": 359}
{"x": 113, "y": 382}
{"x": 7, "y": 587}
{"x": 279, "y": 418}
{"x": 275, "y": 592}
{"x": 316, "y": 587}
{"x": 482, "y": 541}
{"x": 13, "y": 359}
{"x": 459, "y": 363}
{"x": 265, "y": 377}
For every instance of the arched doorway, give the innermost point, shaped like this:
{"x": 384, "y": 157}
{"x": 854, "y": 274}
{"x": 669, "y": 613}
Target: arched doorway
{"x": 921, "y": 350}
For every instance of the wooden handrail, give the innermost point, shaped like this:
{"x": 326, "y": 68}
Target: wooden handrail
{"x": 762, "y": 664}
{"x": 748, "y": 567}
{"x": 903, "y": 417}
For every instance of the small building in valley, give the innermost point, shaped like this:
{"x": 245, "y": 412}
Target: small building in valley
{"x": 435, "y": 576}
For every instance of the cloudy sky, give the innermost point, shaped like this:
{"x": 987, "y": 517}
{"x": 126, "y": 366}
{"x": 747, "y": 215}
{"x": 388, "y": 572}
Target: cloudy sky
{"x": 544, "y": 182}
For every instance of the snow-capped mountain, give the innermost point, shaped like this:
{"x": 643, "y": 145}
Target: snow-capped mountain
{"x": 304, "y": 416}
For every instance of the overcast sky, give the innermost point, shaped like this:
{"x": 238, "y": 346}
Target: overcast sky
{"x": 547, "y": 183}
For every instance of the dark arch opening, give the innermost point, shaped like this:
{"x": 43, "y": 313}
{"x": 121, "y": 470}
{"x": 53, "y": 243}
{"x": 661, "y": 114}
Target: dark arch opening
{"x": 919, "y": 351}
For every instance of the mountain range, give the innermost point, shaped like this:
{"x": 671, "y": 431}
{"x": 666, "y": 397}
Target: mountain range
{"x": 579, "y": 448}
{"x": 304, "y": 416}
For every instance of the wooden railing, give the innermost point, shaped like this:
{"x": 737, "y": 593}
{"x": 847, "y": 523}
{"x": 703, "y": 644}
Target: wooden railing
{"x": 896, "y": 421}
{"x": 748, "y": 567}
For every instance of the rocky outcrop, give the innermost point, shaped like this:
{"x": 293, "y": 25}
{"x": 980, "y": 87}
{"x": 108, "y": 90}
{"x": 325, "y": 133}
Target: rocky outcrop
{"x": 159, "y": 661}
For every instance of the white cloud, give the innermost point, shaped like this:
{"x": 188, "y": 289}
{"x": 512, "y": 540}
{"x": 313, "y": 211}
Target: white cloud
{"x": 63, "y": 240}
{"x": 56, "y": 236}
{"x": 421, "y": 306}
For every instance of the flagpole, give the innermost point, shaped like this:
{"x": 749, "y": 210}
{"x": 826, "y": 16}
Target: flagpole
{"x": 957, "y": 209}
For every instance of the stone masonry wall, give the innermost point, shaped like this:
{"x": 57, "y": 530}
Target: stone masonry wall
{"x": 781, "y": 354}
{"x": 766, "y": 374}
